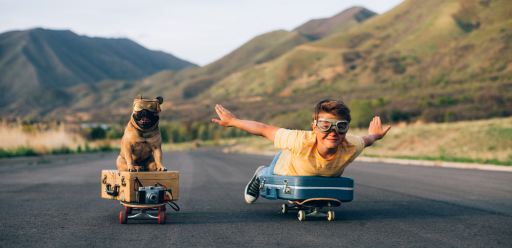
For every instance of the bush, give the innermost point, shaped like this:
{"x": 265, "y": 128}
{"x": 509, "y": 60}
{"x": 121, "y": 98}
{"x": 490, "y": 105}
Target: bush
{"x": 396, "y": 115}
{"x": 115, "y": 133}
{"x": 361, "y": 113}
{"x": 97, "y": 133}
{"x": 446, "y": 100}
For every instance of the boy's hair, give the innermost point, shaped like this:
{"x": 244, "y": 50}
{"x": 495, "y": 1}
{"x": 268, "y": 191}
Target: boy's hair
{"x": 334, "y": 107}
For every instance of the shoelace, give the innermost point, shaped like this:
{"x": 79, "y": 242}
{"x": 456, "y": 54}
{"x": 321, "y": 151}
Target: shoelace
{"x": 255, "y": 187}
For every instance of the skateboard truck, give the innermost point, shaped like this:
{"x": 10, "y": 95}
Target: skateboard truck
{"x": 313, "y": 206}
{"x": 142, "y": 215}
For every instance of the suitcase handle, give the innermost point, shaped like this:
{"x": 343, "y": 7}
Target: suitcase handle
{"x": 114, "y": 192}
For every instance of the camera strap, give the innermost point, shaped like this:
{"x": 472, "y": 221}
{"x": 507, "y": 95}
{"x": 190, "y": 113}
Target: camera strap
{"x": 171, "y": 203}
{"x": 137, "y": 184}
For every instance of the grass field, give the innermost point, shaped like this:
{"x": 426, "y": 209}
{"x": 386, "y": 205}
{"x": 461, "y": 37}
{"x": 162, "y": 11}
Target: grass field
{"x": 482, "y": 141}
{"x": 42, "y": 139}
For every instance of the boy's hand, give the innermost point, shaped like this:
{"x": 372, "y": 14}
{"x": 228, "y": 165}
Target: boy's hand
{"x": 376, "y": 128}
{"x": 226, "y": 117}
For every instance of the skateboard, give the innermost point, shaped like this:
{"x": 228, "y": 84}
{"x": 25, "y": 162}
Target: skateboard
{"x": 313, "y": 205}
{"x": 142, "y": 215}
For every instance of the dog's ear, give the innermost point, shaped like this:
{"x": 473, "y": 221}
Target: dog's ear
{"x": 138, "y": 97}
{"x": 160, "y": 99}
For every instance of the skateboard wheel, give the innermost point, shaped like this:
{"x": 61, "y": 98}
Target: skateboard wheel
{"x": 128, "y": 210}
{"x": 302, "y": 215}
{"x": 330, "y": 215}
{"x": 161, "y": 217}
{"x": 161, "y": 208}
{"x": 285, "y": 208}
{"x": 122, "y": 217}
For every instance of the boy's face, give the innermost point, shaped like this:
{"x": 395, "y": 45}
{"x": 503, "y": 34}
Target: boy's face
{"x": 328, "y": 140}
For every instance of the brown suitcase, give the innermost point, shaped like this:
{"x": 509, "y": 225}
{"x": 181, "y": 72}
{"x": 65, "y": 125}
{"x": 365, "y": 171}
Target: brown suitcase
{"x": 121, "y": 185}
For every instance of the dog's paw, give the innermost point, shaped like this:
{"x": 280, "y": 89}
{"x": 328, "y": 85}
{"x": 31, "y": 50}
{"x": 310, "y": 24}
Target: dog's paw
{"x": 132, "y": 170}
{"x": 162, "y": 168}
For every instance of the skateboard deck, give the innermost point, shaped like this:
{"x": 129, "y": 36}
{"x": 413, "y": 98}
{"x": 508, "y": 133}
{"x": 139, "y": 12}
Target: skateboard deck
{"x": 319, "y": 202}
{"x": 313, "y": 205}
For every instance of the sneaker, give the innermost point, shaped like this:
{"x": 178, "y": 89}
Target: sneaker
{"x": 252, "y": 191}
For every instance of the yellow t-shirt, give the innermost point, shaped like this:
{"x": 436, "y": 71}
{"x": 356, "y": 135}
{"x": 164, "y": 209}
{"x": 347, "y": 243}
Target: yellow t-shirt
{"x": 300, "y": 156}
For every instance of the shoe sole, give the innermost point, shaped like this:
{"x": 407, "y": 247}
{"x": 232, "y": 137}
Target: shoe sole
{"x": 250, "y": 182}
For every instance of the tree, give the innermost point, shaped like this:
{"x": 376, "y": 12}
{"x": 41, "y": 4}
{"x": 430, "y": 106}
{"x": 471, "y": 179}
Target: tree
{"x": 361, "y": 113}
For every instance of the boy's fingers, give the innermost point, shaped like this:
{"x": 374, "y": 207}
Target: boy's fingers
{"x": 218, "y": 111}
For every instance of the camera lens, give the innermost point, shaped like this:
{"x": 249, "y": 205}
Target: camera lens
{"x": 153, "y": 197}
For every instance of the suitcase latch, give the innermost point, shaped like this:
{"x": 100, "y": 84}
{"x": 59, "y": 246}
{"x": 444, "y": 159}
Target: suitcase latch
{"x": 123, "y": 182}
{"x": 262, "y": 184}
{"x": 104, "y": 180}
{"x": 286, "y": 190}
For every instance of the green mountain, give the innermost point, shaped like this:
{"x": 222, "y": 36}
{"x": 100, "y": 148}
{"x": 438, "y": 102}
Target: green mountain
{"x": 186, "y": 84}
{"x": 321, "y": 28}
{"x": 435, "y": 60}
{"x": 428, "y": 60}
{"x": 39, "y": 60}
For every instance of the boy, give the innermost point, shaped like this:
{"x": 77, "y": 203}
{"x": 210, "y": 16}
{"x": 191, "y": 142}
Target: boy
{"x": 325, "y": 151}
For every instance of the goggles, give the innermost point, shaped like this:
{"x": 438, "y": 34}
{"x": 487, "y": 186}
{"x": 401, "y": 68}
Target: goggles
{"x": 326, "y": 125}
{"x": 149, "y": 105}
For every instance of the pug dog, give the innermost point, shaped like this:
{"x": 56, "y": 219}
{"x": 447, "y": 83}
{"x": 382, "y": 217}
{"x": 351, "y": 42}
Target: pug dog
{"x": 141, "y": 145}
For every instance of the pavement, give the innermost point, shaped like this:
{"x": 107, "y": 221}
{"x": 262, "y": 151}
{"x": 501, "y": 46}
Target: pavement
{"x": 395, "y": 205}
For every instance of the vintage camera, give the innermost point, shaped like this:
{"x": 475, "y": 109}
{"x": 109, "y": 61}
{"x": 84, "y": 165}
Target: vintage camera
{"x": 150, "y": 195}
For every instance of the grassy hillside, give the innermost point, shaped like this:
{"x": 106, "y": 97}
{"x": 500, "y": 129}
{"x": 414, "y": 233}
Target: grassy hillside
{"x": 434, "y": 61}
{"x": 321, "y": 28}
{"x": 84, "y": 102}
{"x": 431, "y": 60}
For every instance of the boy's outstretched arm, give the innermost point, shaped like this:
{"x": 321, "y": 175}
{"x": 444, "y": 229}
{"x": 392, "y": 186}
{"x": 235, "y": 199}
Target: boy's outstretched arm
{"x": 227, "y": 119}
{"x": 375, "y": 132}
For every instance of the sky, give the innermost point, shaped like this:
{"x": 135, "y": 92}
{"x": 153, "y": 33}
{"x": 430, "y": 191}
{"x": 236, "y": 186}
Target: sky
{"x": 199, "y": 31}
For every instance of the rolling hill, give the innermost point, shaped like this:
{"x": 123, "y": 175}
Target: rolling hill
{"x": 321, "y": 28}
{"x": 40, "y": 61}
{"x": 438, "y": 60}
{"x": 424, "y": 60}
{"x": 185, "y": 84}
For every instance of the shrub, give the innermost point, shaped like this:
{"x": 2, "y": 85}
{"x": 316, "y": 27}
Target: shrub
{"x": 361, "y": 113}
{"x": 446, "y": 100}
{"x": 115, "y": 133}
{"x": 97, "y": 133}
{"x": 396, "y": 115}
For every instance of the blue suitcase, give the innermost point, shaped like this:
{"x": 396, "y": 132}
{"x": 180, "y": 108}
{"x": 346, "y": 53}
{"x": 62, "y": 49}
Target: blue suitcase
{"x": 308, "y": 193}
{"x": 297, "y": 188}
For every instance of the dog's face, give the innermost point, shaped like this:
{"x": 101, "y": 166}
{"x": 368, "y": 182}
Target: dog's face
{"x": 146, "y": 112}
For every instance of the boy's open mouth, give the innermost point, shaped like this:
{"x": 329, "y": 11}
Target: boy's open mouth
{"x": 144, "y": 120}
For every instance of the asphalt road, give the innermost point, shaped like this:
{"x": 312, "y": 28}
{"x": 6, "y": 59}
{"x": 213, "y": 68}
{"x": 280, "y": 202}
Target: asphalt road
{"x": 59, "y": 205}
